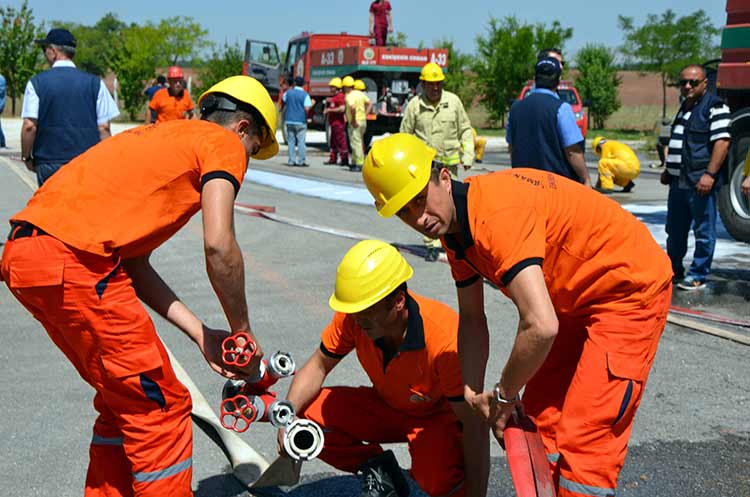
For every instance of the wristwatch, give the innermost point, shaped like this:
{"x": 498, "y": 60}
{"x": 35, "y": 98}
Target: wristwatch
{"x": 713, "y": 175}
{"x": 502, "y": 400}
{"x": 28, "y": 158}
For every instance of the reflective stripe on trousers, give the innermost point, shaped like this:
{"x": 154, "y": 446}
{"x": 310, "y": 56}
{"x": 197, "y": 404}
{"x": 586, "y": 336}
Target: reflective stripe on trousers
{"x": 582, "y": 489}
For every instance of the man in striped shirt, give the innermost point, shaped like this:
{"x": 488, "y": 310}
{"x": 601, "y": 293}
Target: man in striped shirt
{"x": 697, "y": 149}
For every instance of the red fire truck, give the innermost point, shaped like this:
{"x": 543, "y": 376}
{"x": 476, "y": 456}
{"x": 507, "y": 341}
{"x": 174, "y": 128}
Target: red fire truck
{"x": 391, "y": 74}
{"x": 733, "y": 85}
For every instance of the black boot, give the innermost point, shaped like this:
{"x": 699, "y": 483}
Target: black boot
{"x": 382, "y": 477}
{"x": 629, "y": 187}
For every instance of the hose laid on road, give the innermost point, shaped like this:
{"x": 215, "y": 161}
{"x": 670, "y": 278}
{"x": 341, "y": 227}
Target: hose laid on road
{"x": 676, "y": 314}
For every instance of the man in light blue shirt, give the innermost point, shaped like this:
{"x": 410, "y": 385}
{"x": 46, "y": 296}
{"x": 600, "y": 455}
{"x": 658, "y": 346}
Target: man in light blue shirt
{"x": 542, "y": 132}
{"x": 65, "y": 111}
{"x": 296, "y": 104}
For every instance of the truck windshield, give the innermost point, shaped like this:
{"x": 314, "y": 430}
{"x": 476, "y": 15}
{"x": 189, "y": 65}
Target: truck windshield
{"x": 264, "y": 53}
{"x": 568, "y": 96}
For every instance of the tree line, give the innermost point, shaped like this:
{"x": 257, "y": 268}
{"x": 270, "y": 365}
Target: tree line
{"x": 503, "y": 60}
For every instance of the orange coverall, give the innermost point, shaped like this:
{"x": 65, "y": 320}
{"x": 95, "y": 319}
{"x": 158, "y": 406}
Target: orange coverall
{"x": 169, "y": 107}
{"x": 63, "y": 263}
{"x": 610, "y": 284}
{"x": 408, "y": 402}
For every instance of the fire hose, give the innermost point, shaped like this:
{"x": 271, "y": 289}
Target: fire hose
{"x": 245, "y": 402}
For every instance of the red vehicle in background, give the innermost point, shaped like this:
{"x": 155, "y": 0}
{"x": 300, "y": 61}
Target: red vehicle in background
{"x": 391, "y": 74}
{"x": 731, "y": 81}
{"x": 568, "y": 94}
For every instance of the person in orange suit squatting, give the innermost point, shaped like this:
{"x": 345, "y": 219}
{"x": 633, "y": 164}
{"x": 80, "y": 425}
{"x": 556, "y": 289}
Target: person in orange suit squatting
{"x": 406, "y": 344}
{"x": 591, "y": 286}
{"x": 78, "y": 259}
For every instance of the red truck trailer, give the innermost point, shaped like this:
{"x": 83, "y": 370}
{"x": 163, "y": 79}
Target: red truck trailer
{"x": 733, "y": 85}
{"x": 391, "y": 74}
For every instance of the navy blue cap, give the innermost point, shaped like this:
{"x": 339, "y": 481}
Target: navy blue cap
{"x": 58, "y": 36}
{"x": 548, "y": 67}
{"x": 299, "y": 81}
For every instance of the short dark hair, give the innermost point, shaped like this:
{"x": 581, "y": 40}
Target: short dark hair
{"x": 392, "y": 296}
{"x": 546, "y": 51}
{"x": 221, "y": 117}
{"x": 161, "y": 79}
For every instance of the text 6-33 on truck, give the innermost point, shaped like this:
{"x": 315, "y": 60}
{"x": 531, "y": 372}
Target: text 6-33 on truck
{"x": 391, "y": 74}
{"x": 733, "y": 85}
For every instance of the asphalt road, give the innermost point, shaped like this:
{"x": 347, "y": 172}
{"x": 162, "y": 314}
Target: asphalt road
{"x": 691, "y": 434}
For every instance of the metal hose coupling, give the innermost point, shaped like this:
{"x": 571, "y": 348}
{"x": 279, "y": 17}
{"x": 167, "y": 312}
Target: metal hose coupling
{"x": 281, "y": 413}
{"x": 303, "y": 440}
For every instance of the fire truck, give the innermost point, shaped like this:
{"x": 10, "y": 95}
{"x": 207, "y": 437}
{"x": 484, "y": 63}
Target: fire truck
{"x": 732, "y": 83}
{"x": 391, "y": 74}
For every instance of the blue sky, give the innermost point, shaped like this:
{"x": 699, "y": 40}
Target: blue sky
{"x": 425, "y": 21}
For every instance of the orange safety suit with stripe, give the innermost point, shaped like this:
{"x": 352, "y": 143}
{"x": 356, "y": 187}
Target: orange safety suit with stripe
{"x": 408, "y": 401}
{"x": 120, "y": 199}
{"x": 610, "y": 284}
{"x": 170, "y": 107}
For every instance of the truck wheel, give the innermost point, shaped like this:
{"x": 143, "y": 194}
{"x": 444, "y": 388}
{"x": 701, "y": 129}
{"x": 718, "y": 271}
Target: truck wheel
{"x": 734, "y": 207}
{"x": 367, "y": 140}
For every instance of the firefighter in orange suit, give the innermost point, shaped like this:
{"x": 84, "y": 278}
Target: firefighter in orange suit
{"x": 407, "y": 346}
{"x": 591, "y": 286}
{"x": 618, "y": 165}
{"x": 78, "y": 259}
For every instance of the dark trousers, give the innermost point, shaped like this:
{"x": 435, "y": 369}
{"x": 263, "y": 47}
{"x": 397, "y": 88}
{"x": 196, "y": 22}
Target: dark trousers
{"x": 685, "y": 208}
{"x": 381, "y": 35}
{"x": 46, "y": 169}
{"x": 2, "y": 136}
{"x": 338, "y": 143}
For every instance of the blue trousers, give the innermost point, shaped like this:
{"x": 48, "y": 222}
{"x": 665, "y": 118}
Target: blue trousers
{"x": 2, "y": 136}
{"x": 685, "y": 208}
{"x": 295, "y": 137}
{"x": 46, "y": 169}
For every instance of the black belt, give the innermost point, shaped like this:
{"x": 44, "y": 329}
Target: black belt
{"x": 23, "y": 230}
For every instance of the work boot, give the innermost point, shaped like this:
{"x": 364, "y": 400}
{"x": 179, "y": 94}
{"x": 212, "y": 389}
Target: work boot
{"x": 382, "y": 477}
{"x": 629, "y": 187}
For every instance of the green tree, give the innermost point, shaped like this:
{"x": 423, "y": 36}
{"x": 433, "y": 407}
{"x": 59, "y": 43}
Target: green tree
{"x": 183, "y": 38}
{"x": 19, "y": 57}
{"x": 598, "y": 81}
{"x": 665, "y": 43}
{"x": 398, "y": 39}
{"x": 95, "y": 43}
{"x": 224, "y": 62}
{"x": 137, "y": 51}
{"x": 456, "y": 79}
{"x": 505, "y": 59}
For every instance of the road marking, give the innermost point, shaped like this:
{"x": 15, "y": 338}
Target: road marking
{"x": 19, "y": 172}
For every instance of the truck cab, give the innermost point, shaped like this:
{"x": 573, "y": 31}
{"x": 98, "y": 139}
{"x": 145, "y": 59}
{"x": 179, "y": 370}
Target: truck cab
{"x": 390, "y": 74}
{"x": 733, "y": 86}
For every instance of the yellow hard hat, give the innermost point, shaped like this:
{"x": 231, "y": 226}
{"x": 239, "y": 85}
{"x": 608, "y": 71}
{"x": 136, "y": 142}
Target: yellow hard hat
{"x": 396, "y": 169}
{"x": 251, "y": 91}
{"x": 359, "y": 85}
{"x": 335, "y": 82}
{"x": 348, "y": 81}
{"x": 599, "y": 140}
{"x": 432, "y": 73}
{"x": 367, "y": 273}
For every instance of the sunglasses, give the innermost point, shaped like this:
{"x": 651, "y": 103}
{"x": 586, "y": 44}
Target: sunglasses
{"x": 692, "y": 82}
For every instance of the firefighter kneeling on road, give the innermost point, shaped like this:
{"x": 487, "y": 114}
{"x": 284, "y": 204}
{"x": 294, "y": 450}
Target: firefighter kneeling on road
{"x": 618, "y": 165}
{"x": 590, "y": 284}
{"x": 407, "y": 346}
{"x": 77, "y": 258}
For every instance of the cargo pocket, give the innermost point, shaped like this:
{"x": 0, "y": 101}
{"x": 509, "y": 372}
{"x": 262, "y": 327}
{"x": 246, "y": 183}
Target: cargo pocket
{"x": 137, "y": 371}
{"x": 630, "y": 369}
{"x": 31, "y": 274}
{"x": 132, "y": 362}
